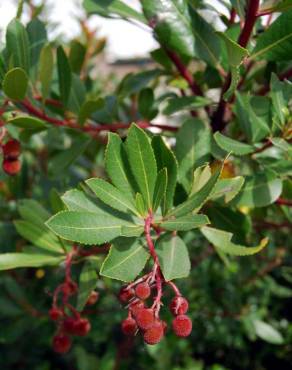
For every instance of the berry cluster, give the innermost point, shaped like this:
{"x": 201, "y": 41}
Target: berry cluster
{"x": 68, "y": 319}
{"x": 11, "y": 152}
{"x": 146, "y": 319}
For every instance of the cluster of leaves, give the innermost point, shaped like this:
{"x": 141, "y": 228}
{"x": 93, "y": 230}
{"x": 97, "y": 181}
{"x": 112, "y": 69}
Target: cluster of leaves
{"x": 216, "y": 179}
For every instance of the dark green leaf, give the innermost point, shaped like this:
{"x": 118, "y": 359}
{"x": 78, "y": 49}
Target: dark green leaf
{"x": 231, "y": 145}
{"x": 88, "y": 108}
{"x": 46, "y": 67}
{"x": 87, "y": 283}
{"x": 76, "y": 56}
{"x": 15, "y": 84}
{"x": 64, "y": 75}
{"x": 185, "y": 103}
{"x": 185, "y": 223}
{"x": 37, "y": 35}
{"x": 160, "y": 188}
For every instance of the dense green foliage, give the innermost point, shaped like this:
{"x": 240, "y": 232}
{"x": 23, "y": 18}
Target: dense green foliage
{"x": 207, "y": 165}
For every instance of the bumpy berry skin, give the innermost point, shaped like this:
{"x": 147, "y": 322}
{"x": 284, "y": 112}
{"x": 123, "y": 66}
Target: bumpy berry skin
{"x": 69, "y": 325}
{"x": 82, "y": 327}
{"x": 145, "y": 318}
{"x": 179, "y": 306}
{"x": 93, "y": 298}
{"x": 136, "y": 307}
{"x": 154, "y": 334}
{"x": 55, "y": 313}
{"x": 61, "y": 343}
{"x": 143, "y": 291}
{"x": 129, "y": 326}
{"x": 11, "y": 150}
{"x": 11, "y": 166}
{"x": 126, "y": 294}
{"x": 182, "y": 326}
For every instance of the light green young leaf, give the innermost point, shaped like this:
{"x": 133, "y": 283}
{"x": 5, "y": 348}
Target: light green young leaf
{"x": 86, "y": 227}
{"x": 116, "y": 164}
{"x": 222, "y": 240}
{"x": 15, "y": 84}
{"x": 231, "y": 145}
{"x": 228, "y": 188}
{"x": 201, "y": 176}
{"x": 140, "y": 205}
{"x": 142, "y": 162}
{"x": 46, "y": 67}
{"x": 173, "y": 257}
{"x": 267, "y": 332}
{"x": 27, "y": 122}
{"x": 87, "y": 283}
{"x": 160, "y": 188}
{"x": 166, "y": 159}
{"x": 76, "y": 56}
{"x": 111, "y": 195}
{"x": 126, "y": 259}
{"x": 185, "y": 223}
{"x": 10, "y": 261}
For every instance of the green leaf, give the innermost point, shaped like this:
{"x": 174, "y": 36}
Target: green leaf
{"x": 160, "y": 188}
{"x": 17, "y": 45}
{"x": 259, "y": 190}
{"x": 64, "y": 159}
{"x": 166, "y": 159}
{"x": 108, "y": 8}
{"x": 267, "y": 332}
{"x": 88, "y": 108}
{"x": 228, "y": 188}
{"x": 15, "y": 84}
{"x": 142, "y": 162}
{"x": 86, "y": 227}
{"x": 278, "y": 99}
{"x": 111, "y": 195}
{"x": 185, "y": 223}
{"x": 231, "y": 145}
{"x": 46, "y": 67}
{"x": 126, "y": 259}
{"x": 32, "y": 211}
{"x": 10, "y": 261}
{"x": 197, "y": 200}
{"x": 171, "y": 23}
{"x": 133, "y": 83}
{"x": 37, "y": 35}
{"x": 282, "y": 144}
{"x": 39, "y": 236}
{"x": 193, "y": 146}
{"x": 206, "y": 41}
{"x": 201, "y": 175}
{"x": 140, "y": 205}
{"x": 280, "y": 6}
{"x": 64, "y": 75}
{"x": 146, "y": 103}
{"x": 173, "y": 257}
{"x": 222, "y": 240}
{"x": 27, "y": 122}
{"x": 275, "y": 44}
{"x": 87, "y": 283}
{"x": 77, "y": 94}
{"x": 185, "y": 103}
{"x": 77, "y": 200}
{"x": 116, "y": 165}
{"x": 76, "y": 56}
{"x": 132, "y": 230}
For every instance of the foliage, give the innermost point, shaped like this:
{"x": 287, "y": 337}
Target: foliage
{"x": 90, "y": 199}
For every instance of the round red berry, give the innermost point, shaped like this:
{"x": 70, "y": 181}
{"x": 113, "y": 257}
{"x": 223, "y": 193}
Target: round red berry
{"x": 70, "y": 288}
{"x": 129, "y": 326}
{"x": 69, "y": 325}
{"x": 154, "y": 334}
{"x": 82, "y": 327}
{"x": 179, "y": 306}
{"x": 61, "y": 343}
{"x": 136, "y": 307}
{"x": 93, "y": 298}
{"x": 182, "y": 326}
{"x": 55, "y": 313}
{"x": 126, "y": 294}
{"x": 143, "y": 291}
{"x": 145, "y": 318}
{"x": 11, "y": 150}
{"x": 11, "y": 166}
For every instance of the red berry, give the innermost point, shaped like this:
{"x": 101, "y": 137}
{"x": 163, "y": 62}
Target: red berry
{"x": 55, "y": 313}
{"x": 143, "y": 291}
{"x": 93, "y": 298}
{"x": 179, "y": 306}
{"x": 145, "y": 318}
{"x": 126, "y": 294}
{"x": 11, "y": 166}
{"x": 69, "y": 325}
{"x": 129, "y": 326}
{"x": 182, "y": 326}
{"x": 70, "y": 288}
{"x": 154, "y": 334}
{"x": 11, "y": 150}
{"x": 136, "y": 307}
{"x": 61, "y": 343}
{"x": 82, "y": 327}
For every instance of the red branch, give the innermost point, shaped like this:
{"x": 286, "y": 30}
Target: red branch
{"x": 284, "y": 202}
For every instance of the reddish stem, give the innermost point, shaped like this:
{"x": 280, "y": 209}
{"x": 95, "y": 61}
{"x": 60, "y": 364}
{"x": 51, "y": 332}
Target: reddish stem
{"x": 284, "y": 202}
